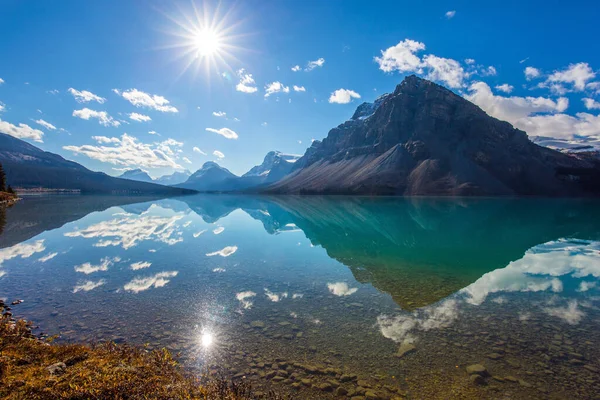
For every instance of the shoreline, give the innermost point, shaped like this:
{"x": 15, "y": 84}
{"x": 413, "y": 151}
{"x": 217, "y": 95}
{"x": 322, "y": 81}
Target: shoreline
{"x": 33, "y": 367}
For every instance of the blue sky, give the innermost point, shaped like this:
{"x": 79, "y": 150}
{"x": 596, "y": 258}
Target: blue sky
{"x": 131, "y": 57}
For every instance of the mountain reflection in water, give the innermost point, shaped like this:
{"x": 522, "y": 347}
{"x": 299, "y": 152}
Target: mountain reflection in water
{"x": 341, "y": 281}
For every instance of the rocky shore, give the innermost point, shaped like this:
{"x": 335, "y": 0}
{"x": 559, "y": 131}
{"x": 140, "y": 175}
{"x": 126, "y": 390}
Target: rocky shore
{"x": 32, "y": 367}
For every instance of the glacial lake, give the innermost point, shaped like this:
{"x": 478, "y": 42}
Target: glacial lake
{"x": 381, "y": 297}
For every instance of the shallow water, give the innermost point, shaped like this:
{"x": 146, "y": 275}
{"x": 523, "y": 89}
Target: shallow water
{"x": 312, "y": 288}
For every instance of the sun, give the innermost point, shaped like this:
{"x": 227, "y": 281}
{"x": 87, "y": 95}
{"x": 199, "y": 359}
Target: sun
{"x": 207, "y": 42}
{"x": 205, "y": 38}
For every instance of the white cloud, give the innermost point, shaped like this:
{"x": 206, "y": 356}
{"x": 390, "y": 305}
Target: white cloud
{"x": 21, "y": 250}
{"x": 89, "y": 268}
{"x": 1, "y": 81}
{"x": 142, "y": 99}
{"x": 47, "y": 257}
{"x": 139, "y": 117}
{"x": 129, "y": 151}
{"x": 445, "y": 70}
{"x": 246, "y": 84}
{"x": 575, "y": 74}
{"x": 343, "y": 96}
{"x": 401, "y": 57}
{"x": 469, "y": 61}
{"x": 276, "y": 87}
{"x": 187, "y": 160}
{"x": 450, "y": 14}
{"x": 2, "y": 106}
{"x": 489, "y": 71}
{"x": 218, "y": 154}
{"x": 140, "y": 265}
{"x": 274, "y": 297}
{"x": 45, "y": 124}
{"x": 102, "y": 116}
{"x": 225, "y": 132}
{"x": 314, "y": 64}
{"x": 219, "y": 113}
{"x": 225, "y": 252}
{"x": 85, "y": 97}
{"x": 296, "y": 68}
{"x": 130, "y": 230}
{"x": 86, "y": 286}
{"x": 197, "y": 150}
{"x": 159, "y": 280}
{"x": 341, "y": 289}
{"x": 152, "y": 132}
{"x": 299, "y": 88}
{"x": 524, "y": 113}
{"x": 505, "y": 87}
{"x": 219, "y": 230}
{"x": 532, "y": 73}
{"x": 591, "y": 104}
{"x": 23, "y": 131}
{"x": 264, "y": 124}
{"x": 571, "y": 314}
{"x": 244, "y": 298}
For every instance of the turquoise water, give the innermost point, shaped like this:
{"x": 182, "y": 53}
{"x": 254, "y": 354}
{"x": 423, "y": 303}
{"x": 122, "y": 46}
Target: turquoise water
{"x": 315, "y": 287}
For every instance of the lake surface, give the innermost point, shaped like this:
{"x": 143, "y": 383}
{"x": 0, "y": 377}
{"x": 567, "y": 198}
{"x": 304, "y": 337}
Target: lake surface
{"x": 382, "y": 297}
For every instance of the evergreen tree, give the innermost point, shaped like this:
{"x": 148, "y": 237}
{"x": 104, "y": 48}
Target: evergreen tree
{"x": 2, "y": 179}
{"x": 10, "y": 190}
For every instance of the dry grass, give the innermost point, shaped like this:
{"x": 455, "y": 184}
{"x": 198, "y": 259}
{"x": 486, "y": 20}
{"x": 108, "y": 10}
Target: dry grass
{"x": 104, "y": 371}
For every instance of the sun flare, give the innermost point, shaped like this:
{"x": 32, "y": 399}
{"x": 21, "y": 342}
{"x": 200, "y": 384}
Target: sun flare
{"x": 207, "y": 42}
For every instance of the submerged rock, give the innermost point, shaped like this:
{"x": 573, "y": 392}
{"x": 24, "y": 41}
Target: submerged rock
{"x": 404, "y": 349}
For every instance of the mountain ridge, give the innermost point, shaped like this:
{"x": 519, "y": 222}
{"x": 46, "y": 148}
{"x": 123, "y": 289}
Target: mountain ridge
{"x": 423, "y": 139}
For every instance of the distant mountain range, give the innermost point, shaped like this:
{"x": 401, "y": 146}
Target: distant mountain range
{"x": 423, "y": 139}
{"x": 29, "y": 167}
{"x": 142, "y": 176}
{"x": 214, "y": 178}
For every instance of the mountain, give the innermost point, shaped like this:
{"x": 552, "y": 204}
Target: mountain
{"x": 136, "y": 175}
{"x": 27, "y": 166}
{"x": 275, "y": 166}
{"x": 175, "y": 178}
{"x": 423, "y": 139}
{"x": 211, "y": 177}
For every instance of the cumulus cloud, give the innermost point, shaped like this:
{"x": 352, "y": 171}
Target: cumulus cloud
{"x": 591, "y": 104}
{"x": 130, "y": 230}
{"x": 538, "y": 116}
{"x": 139, "y": 117}
{"x": 89, "y": 268}
{"x": 22, "y": 131}
{"x": 187, "y": 160}
{"x": 225, "y": 252}
{"x": 576, "y": 75}
{"x": 2, "y": 106}
{"x": 219, "y": 113}
{"x": 343, "y": 96}
{"x": 142, "y": 99}
{"x": 246, "y": 83}
{"x": 21, "y": 250}
{"x": 401, "y": 57}
{"x": 102, "y": 116}
{"x": 314, "y": 64}
{"x": 245, "y": 298}
{"x": 571, "y": 314}
{"x": 445, "y": 70}
{"x": 296, "y": 68}
{"x": 505, "y": 87}
{"x": 197, "y": 150}
{"x": 85, "y": 97}
{"x": 47, "y": 257}
{"x": 1, "y": 81}
{"x": 532, "y": 73}
{"x": 129, "y": 151}
{"x": 218, "y": 154}
{"x": 159, "y": 280}
{"x": 225, "y": 132}
{"x": 469, "y": 61}
{"x": 140, "y": 265}
{"x": 276, "y": 87}
{"x": 450, "y": 14}
{"x": 86, "y": 286}
{"x": 341, "y": 289}
{"x": 299, "y": 88}
{"x": 45, "y": 124}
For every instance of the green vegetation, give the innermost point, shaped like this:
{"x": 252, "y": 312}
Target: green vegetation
{"x": 7, "y": 194}
{"x": 31, "y": 368}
